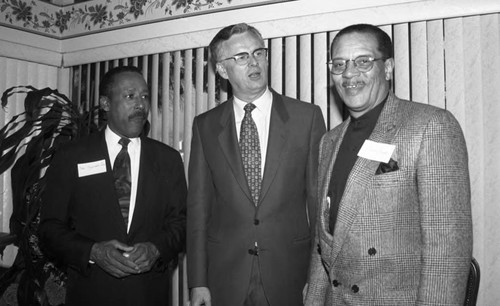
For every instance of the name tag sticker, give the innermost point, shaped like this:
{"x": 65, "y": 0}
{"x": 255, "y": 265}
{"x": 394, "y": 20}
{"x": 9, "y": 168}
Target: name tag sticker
{"x": 376, "y": 151}
{"x": 91, "y": 168}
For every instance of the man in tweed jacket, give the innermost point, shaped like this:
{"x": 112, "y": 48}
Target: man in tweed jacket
{"x": 394, "y": 222}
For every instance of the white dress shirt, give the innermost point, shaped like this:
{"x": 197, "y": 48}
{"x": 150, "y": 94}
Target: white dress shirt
{"x": 134, "y": 151}
{"x": 261, "y": 116}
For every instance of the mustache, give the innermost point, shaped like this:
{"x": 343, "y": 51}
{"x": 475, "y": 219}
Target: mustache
{"x": 138, "y": 114}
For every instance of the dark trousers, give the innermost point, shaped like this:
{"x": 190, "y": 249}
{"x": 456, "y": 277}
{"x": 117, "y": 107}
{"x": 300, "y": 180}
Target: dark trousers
{"x": 256, "y": 295}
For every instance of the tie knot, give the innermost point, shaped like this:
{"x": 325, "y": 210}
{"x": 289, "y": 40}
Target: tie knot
{"x": 249, "y": 107}
{"x": 124, "y": 142}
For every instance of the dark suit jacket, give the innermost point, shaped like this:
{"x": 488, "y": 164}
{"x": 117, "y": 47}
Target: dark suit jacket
{"x": 78, "y": 211}
{"x": 403, "y": 235}
{"x": 223, "y": 222}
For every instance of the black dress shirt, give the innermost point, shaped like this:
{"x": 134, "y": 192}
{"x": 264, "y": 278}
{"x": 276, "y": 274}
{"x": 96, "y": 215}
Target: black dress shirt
{"x": 357, "y": 132}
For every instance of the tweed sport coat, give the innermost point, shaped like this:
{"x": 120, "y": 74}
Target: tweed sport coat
{"x": 402, "y": 237}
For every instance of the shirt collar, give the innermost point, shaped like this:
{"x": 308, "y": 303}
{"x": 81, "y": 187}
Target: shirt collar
{"x": 262, "y": 103}
{"x": 369, "y": 119}
{"x": 112, "y": 138}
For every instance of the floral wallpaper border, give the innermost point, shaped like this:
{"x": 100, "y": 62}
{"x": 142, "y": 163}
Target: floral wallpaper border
{"x": 102, "y": 15}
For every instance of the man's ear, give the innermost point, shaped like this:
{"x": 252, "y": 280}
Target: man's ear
{"x": 389, "y": 68}
{"x": 104, "y": 103}
{"x": 221, "y": 70}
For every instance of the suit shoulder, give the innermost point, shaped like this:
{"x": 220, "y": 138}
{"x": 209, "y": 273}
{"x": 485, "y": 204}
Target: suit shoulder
{"x": 79, "y": 144}
{"x": 160, "y": 146}
{"x": 299, "y": 105}
{"x": 417, "y": 111}
{"x": 213, "y": 113}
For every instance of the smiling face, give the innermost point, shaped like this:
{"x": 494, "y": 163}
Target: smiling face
{"x": 361, "y": 91}
{"x": 248, "y": 81}
{"x": 128, "y": 104}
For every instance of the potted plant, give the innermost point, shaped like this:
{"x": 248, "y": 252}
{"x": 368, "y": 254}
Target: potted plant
{"x": 27, "y": 144}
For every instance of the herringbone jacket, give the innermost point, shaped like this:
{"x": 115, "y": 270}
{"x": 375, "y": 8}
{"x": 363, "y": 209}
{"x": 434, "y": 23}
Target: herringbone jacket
{"x": 402, "y": 237}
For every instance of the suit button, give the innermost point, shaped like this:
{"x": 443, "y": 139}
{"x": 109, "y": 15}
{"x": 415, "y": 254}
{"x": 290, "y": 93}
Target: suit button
{"x": 335, "y": 283}
{"x": 256, "y": 221}
{"x": 254, "y": 251}
{"x": 355, "y": 289}
{"x": 372, "y": 251}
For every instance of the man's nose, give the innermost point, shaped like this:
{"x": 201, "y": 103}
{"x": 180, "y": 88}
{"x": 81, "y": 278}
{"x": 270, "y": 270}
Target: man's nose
{"x": 350, "y": 69}
{"x": 252, "y": 61}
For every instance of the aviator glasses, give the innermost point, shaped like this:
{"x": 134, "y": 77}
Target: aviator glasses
{"x": 362, "y": 63}
{"x": 243, "y": 58}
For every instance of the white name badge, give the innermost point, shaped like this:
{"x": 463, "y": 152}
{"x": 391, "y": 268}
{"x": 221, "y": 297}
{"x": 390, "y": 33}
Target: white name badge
{"x": 91, "y": 168}
{"x": 376, "y": 151}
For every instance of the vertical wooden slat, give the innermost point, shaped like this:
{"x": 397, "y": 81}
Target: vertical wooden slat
{"x": 97, "y": 80}
{"x": 276, "y": 64}
{"x": 474, "y": 124}
{"x": 305, "y": 68}
{"x": 210, "y": 85}
{"x": 335, "y": 104}
{"x": 454, "y": 68}
{"x": 201, "y": 105}
{"x": 435, "y": 60}
{"x": 88, "y": 78}
{"x": 486, "y": 211}
{"x": 402, "y": 59}
{"x": 124, "y": 62}
{"x": 145, "y": 67}
{"x": 116, "y": 63}
{"x": 165, "y": 100}
{"x": 79, "y": 86}
{"x": 155, "y": 126}
{"x": 177, "y": 100}
{"x": 473, "y": 76}
{"x": 189, "y": 107}
{"x": 63, "y": 81}
{"x": 418, "y": 68}
{"x": 291, "y": 66}
{"x": 223, "y": 91}
{"x": 320, "y": 72}
{"x": 135, "y": 61}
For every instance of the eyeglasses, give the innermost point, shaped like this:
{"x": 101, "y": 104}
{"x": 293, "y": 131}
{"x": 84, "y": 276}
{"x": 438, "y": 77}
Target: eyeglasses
{"x": 362, "y": 63}
{"x": 243, "y": 58}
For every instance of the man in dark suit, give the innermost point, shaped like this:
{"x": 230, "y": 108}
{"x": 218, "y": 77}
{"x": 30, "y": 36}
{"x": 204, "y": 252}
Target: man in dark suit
{"x": 116, "y": 233}
{"x": 394, "y": 221}
{"x": 249, "y": 232}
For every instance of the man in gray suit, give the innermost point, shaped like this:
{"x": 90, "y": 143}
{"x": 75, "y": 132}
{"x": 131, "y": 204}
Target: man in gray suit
{"x": 249, "y": 236}
{"x": 394, "y": 222}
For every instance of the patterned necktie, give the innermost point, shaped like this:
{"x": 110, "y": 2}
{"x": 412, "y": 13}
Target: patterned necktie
{"x": 121, "y": 173}
{"x": 250, "y": 152}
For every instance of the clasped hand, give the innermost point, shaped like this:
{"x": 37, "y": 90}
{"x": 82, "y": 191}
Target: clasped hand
{"x": 121, "y": 260}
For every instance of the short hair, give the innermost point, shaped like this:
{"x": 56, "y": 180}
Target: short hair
{"x": 108, "y": 79}
{"x": 215, "y": 45}
{"x": 384, "y": 41}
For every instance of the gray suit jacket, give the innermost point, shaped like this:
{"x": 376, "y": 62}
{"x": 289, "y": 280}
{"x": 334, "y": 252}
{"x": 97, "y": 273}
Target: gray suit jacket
{"x": 402, "y": 237}
{"x": 223, "y": 223}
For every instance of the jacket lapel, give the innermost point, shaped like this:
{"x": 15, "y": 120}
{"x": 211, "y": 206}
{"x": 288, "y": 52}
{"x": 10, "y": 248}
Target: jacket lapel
{"x": 278, "y": 136}
{"x": 228, "y": 141}
{"x": 362, "y": 173}
{"x": 108, "y": 188}
{"x": 148, "y": 171}
{"x": 331, "y": 147}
